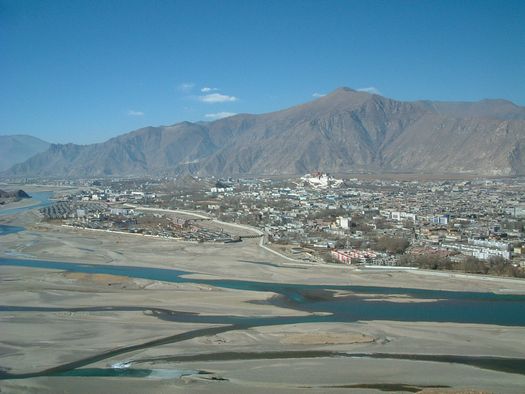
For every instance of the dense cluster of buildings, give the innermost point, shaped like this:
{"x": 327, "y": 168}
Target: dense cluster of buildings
{"x": 483, "y": 219}
{"x": 355, "y": 220}
{"x": 100, "y": 212}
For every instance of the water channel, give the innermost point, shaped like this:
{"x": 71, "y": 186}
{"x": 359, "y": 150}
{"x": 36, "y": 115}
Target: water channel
{"x": 42, "y": 199}
{"x": 354, "y": 303}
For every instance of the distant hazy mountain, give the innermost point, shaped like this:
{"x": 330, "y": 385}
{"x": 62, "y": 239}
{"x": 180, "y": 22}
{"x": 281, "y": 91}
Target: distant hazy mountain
{"x": 345, "y": 131}
{"x": 18, "y": 148}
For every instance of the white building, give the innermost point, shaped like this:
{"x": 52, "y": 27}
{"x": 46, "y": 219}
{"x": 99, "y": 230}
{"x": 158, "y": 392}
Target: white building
{"x": 343, "y": 222}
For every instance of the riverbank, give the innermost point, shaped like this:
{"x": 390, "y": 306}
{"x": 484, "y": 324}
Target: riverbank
{"x": 82, "y": 315}
{"x": 22, "y": 203}
{"x": 65, "y": 317}
{"x": 244, "y": 260}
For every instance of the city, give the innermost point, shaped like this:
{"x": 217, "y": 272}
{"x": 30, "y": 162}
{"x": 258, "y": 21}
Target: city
{"x": 473, "y": 226}
{"x": 278, "y": 196}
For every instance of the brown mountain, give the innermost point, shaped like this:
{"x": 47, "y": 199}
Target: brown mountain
{"x": 345, "y": 131}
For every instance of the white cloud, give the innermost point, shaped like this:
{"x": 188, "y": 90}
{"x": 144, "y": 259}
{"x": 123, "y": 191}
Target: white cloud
{"x": 135, "y": 113}
{"x": 370, "y": 89}
{"x": 219, "y": 115}
{"x": 207, "y": 89}
{"x": 186, "y": 87}
{"x": 318, "y": 94}
{"x": 217, "y": 98}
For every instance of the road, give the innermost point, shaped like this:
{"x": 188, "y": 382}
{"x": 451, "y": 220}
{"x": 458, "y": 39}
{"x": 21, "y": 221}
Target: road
{"x": 201, "y": 216}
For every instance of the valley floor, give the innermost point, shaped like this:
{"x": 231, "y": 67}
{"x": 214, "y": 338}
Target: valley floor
{"x": 53, "y": 317}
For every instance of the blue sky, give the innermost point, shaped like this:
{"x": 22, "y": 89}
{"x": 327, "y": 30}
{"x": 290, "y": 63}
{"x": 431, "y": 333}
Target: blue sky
{"x": 85, "y": 71}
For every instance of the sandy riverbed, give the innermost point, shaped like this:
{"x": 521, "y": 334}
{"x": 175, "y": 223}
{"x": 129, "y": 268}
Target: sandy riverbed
{"x": 245, "y": 260}
{"x": 32, "y": 341}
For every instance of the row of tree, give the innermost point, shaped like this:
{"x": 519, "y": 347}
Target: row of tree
{"x": 495, "y": 266}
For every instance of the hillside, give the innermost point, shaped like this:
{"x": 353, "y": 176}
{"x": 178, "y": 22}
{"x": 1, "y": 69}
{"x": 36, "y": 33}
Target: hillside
{"x": 345, "y": 131}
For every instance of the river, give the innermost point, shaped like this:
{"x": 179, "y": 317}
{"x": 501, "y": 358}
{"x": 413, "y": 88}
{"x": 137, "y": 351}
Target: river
{"x": 358, "y": 303}
{"x": 42, "y": 199}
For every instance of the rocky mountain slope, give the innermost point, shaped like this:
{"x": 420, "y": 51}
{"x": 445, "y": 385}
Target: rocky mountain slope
{"x": 345, "y": 131}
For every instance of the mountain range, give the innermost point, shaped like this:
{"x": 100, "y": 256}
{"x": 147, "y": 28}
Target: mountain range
{"x": 345, "y": 131}
{"x": 18, "y": 148}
